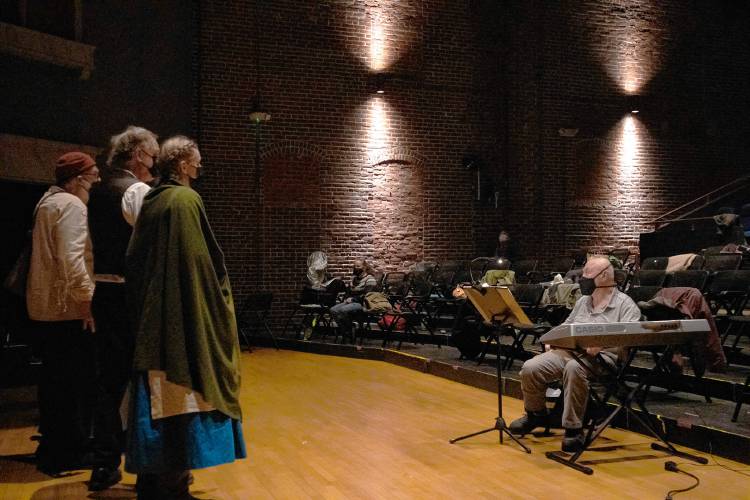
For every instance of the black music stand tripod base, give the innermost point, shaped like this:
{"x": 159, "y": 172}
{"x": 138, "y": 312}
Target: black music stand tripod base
{"x": 501, "y": 428}
{"x": 500, "y": 425}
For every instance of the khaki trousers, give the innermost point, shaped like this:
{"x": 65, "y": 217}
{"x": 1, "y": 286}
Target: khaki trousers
{"x": 558, "y": 364}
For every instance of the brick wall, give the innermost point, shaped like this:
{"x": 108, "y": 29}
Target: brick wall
{"x": 343, "y": 170}
{"x": 364, "y": 175}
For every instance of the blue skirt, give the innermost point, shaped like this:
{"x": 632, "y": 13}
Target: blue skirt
{"x": 181, "y": 442}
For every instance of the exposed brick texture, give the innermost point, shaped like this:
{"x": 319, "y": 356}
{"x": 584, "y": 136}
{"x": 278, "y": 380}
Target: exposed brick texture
{"x": 381, "y": 176}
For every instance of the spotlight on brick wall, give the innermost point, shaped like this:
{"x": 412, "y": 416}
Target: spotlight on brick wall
{"x": 636, "y": 36}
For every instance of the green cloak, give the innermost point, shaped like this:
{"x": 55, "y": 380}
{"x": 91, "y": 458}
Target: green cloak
{"x": 178, "y": 292}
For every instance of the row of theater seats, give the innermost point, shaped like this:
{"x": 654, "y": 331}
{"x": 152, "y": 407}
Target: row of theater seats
{"x": 424, "y": 303}
{"x": 423, "y": 297}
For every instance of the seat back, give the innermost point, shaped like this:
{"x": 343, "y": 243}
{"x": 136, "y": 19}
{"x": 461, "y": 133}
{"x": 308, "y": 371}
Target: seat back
{"x": 395, "y": 283}
{"x": 643, "y": 293}
{"x": 690, "y": 278}
{"x": 621, "y": 253}
{"x": 311, "y": 296}
{"x": 527, "y": 295}
{"x": 654, "y": 263}
{"x": 522, "y": 269}
{"x": 562, "y": 265}
{"x": 722, "y": 262}
{"x": 728, "y": 289}
{"x": 649, "y": 277}
{"x": 579, "y": 256}
{"x": 420, "y": 284}
{"x": 697, "y": 263}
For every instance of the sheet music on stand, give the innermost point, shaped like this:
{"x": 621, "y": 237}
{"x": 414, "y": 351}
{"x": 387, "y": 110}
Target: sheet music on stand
{"x": 497, "y": 305}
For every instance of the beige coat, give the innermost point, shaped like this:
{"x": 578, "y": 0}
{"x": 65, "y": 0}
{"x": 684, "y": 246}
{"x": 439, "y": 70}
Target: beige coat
{"x": 61, "y": 274}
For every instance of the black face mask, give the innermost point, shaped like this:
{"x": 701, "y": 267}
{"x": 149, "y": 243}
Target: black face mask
{"x": 357, "y": 272}
{"x": 587, "y": 286}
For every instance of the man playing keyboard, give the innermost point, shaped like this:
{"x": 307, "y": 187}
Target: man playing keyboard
{"x": 601, "y": 302}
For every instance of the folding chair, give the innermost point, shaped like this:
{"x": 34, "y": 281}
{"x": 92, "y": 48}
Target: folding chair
{"x": 524, "y": 270}
{"x": 648, "y": 277}
{"x": 722, "y": 262}
{"x": 692, "y": 278}
{"x": 736, "y": 318}
{"x": 727, "y": 291}
{"x": 657, "y": 263}
{"x": 254, "y": 315}
{"x": 742, "y": 397}
{"x": 314, "y": 305}
{"x": 642, "y": 293}
{"x": 622, "y": 254}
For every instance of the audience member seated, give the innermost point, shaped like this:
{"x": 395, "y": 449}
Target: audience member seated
{"x": 363, "y": 281}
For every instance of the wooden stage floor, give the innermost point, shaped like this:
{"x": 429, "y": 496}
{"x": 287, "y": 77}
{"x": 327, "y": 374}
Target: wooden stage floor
{"x": 327, "y": 427}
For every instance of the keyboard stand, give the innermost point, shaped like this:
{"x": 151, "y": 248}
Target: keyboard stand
{"x": 614, "y": 381}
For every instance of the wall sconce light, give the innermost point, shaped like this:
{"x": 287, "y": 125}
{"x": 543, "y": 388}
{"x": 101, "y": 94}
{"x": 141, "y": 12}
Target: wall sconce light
{"x": 378, "y": 81}
{"x": 257, "y": 115}
{"x": 634, "y": 104}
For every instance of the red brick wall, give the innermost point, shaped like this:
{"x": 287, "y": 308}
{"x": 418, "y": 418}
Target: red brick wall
{"x": 360, "y": 175}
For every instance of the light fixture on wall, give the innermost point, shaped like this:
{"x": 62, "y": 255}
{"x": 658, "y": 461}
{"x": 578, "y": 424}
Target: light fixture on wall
{"x": 378, "y": 81}
{"x": 634, "y": 104}
{"x": 257, "y": 115}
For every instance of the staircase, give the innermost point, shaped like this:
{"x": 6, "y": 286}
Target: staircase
{"x": 691, "y": 227}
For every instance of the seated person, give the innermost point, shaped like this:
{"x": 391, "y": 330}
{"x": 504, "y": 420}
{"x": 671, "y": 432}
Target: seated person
{"x": 601, "y": 302}
{"x": 363, "y": 281}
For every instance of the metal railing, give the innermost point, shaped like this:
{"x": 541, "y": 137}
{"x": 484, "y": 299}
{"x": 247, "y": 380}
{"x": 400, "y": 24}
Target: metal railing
{"x": 702, "y": 201}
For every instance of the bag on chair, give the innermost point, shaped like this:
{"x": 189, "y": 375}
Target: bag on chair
{"x": 377, "y": 302}
{"x": 388, "y": 320}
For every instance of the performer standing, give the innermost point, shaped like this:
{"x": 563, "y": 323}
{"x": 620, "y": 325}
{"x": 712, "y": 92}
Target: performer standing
{"x": 184, "y": 412}
{"x": 58, "y": 296}
{"x": 113, "y": 207}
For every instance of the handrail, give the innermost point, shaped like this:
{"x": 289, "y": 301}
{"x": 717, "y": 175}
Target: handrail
{"x": 685, "y": 219}
{"x": 706, "y": 197}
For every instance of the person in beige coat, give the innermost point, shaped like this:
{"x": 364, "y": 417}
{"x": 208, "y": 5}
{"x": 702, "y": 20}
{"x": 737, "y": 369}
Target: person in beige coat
{"x": 59, "y": 290}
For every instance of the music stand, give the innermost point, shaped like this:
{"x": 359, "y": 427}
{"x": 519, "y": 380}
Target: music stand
{"x": 497, "y": 307}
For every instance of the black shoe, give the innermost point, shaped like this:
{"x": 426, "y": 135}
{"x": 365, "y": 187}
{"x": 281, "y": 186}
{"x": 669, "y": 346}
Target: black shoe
{"x": 530, "y": 421}
{"x": 573, "y": 441}
{"x": 104, "y": 477}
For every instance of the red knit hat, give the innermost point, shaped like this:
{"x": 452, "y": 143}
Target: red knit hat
{"x": 72, "y": 164}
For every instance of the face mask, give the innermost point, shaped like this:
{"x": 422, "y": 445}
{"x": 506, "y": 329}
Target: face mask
{"x": 85, "y": 183}
{"x": 587, "y": 285}
{"x": 356, "y": 271}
